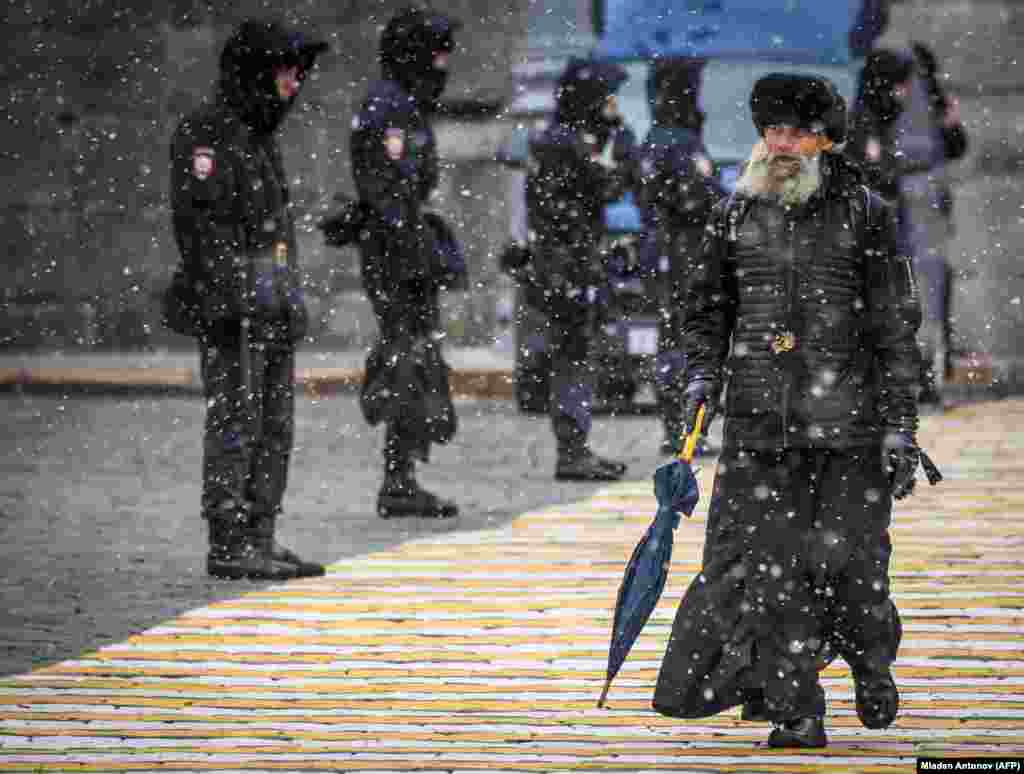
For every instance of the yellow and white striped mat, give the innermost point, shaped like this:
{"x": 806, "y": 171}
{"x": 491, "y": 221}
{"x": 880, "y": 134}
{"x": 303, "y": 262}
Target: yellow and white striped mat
{"x": 486, "y": 651}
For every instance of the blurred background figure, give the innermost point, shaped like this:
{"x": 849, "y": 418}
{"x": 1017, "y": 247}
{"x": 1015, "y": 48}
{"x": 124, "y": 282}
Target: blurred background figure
{"x": 905, "y": 130}
{"x": 581, "y": 162}
{"x": 676, "y": 190}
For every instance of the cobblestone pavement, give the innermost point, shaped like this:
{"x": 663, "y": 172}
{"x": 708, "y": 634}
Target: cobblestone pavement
{"x": 99, "y": 528}
{"x": 482, "y": 648}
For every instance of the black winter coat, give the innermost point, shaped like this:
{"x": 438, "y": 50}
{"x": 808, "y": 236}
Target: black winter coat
{"x": 232, "y": 217}
{"x": 827, "y": 275}
{"x": 567, "y": 189}
{"x": 676, "y": 191}
{"x": 395, "y": 167}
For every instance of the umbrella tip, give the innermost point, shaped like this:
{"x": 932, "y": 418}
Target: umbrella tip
{"x": 604, "y": 694}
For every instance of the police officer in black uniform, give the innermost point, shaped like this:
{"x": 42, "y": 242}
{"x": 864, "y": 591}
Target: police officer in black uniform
{"x": 395, "y": 166}
{"x": 241, "y": 290}
{"x": 676, "y": 191}
{"x": 580, "y": 163}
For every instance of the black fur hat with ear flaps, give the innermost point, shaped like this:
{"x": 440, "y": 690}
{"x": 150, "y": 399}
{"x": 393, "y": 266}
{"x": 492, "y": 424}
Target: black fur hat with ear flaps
{"x": 805, "y": 101}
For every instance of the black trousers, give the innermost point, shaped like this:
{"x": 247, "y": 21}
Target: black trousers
{"x": 795, "y": 572}
{"x": 403, "y": 316}
{"x": 569, "y": 335}
{"x": 248, "y": 438}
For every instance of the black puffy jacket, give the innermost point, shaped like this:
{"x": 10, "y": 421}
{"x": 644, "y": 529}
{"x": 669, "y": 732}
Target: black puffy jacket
{"x": 811, "y": 313}
{"x": 229, "y": 194}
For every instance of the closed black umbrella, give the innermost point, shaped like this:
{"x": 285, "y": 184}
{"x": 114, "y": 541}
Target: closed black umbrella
{"x": 675, "y": 487}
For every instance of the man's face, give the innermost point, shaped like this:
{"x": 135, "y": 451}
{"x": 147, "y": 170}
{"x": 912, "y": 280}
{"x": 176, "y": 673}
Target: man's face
{"x": 287, "y": 81}
{"x": 441, "y": 60}
{"x": 791, "y": 141}
{"x": 784, "y": 164}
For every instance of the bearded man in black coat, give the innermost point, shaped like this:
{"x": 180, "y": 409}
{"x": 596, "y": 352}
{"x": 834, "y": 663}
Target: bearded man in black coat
{"x": 800, "y": 297}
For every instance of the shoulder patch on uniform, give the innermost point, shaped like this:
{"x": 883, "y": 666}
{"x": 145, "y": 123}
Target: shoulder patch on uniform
{"x": 394, "y": 143}
{"x": 203, "y": 162}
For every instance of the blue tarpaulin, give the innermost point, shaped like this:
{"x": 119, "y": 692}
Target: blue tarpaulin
{"x": 795, "y": 31}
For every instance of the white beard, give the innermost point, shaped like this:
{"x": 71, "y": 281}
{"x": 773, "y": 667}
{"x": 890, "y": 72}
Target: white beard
{"x": 789, "y": 180}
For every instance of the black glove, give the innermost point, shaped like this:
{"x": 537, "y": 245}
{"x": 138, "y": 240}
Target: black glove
{"x": 900, "y": 458}
{"x": 700, "y": 392}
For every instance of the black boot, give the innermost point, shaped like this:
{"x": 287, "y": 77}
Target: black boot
{"x": 401, "y": 495}
{"x": 753, "y": 711}
{"x": 878, "y": 700}
{"x": 261, "y": 533}
{"x": 584, "y": 465}
{"x": 799, "y": 732}
{"x": 233, "y": 555}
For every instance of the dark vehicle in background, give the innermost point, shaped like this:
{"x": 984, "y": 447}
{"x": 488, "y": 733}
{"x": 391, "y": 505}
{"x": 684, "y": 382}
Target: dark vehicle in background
{"x": 741, "y": 41}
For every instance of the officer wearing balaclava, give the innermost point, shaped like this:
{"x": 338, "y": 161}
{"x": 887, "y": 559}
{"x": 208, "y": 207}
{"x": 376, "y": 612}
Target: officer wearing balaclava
{"x": 395, "y": 167}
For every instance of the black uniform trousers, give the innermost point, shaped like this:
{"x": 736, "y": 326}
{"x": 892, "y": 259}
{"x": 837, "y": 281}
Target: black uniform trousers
{"x": 248, "y": 438}
{"x": 569, "y": 335}
{"x": 795, "y": 572}
{"x": 406, "y": 309}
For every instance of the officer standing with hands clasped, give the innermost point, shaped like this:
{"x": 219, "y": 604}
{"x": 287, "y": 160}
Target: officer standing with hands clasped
{"x": 800, "y": 290}
{"x": 238, "y": 291}
{"x": 405, "y": 250}
{"x": 581, "y": 162}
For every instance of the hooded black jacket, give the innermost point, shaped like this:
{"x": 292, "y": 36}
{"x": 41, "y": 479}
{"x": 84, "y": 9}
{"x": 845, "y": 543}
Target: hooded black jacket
{"x": 395, "y": 163}
{"x": 229, "y": 194}
{"x": 828, "y": 273}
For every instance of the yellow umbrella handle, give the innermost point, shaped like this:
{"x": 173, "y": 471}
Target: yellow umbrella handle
{"x": 690, "y": 445}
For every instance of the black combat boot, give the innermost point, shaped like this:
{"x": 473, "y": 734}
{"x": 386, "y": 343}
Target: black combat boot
{"x": 754, "y": 711}
{"x": 575, "y": 460}
{"x": 878, "y": 701}
{"x": 584, "y": 465}
{"x": 401, "y": 494}
{"x": 261, "y": 534}
{"x": 799, "y": 732}
{"x": 233, "y": 555}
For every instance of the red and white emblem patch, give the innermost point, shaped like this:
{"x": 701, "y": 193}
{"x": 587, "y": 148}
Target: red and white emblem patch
{"x": 203, "y": 164}
{"x": 394, "y": 143}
